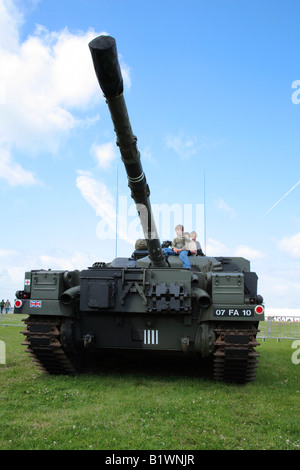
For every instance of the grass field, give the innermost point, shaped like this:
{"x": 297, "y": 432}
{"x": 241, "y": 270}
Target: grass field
{"x": 148, "y": 405}
{"x": 280, "y": 329}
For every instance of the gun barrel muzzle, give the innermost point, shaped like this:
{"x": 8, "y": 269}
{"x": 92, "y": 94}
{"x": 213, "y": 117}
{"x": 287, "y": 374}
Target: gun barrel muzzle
{"x": 106, "y": 64}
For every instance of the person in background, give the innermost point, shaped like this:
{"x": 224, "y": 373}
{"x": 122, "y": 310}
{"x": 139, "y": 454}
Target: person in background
{"x": 7, "y": 306}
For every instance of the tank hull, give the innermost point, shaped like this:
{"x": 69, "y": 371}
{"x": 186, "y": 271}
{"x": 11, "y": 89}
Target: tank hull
{"x": 169, "y": 310}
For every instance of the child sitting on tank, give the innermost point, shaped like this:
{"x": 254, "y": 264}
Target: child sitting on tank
{"x": 190, "y": 244}
{"x": 179, "y": 247}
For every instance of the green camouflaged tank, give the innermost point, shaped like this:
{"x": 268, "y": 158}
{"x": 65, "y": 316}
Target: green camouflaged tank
{"x": 147, "y": 301}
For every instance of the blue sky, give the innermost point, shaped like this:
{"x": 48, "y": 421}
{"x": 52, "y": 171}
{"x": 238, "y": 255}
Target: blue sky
{"x": 213, "y": 92}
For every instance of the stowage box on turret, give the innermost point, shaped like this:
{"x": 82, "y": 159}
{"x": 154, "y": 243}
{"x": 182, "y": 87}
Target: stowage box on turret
{"x": 148, "y": 301}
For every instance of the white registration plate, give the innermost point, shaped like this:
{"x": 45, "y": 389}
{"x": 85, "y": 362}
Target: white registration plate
{"x": 234, "y": 312}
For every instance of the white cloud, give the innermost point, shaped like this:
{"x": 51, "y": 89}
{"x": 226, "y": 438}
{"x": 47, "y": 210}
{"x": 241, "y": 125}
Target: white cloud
{"x": 147, "y": 155}
{"x": 44, "y": 81}
{"x": 10, "y": 22}
{"x": 216, "y": 248}
{"x": 291, "y": 245}
{"x": 276, "y": 290}
{"x": 13, "y": 173}
{"x": 125, "y": 69}
{"x": 249, "y": 253}
{"x": 185, "y": 146}
{"x": 77, "y": 260}
{"x": 104, "y": 154}
{"x": 48, "y": 75}
{"x": 225, "y": 208}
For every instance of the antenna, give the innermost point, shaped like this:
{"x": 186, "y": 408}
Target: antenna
{"x": 204, "y": 212}
{"x": 117, "y": 210}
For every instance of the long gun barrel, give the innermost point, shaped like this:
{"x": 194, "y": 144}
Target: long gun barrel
{"x": 107, "y": 68}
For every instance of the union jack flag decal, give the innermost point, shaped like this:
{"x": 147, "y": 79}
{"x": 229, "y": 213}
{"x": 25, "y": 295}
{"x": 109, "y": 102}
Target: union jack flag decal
{"x": 35, "y": 303}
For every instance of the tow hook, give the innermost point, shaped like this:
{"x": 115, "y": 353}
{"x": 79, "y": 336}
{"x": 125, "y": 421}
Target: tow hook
{"x": 88, "y": 340}
{"x": 185, "y": 343}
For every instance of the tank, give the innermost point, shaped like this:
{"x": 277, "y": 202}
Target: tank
{"x": 147, "y": 302}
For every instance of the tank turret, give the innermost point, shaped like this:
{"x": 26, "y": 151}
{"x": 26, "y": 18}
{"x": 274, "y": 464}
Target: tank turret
{"x": 107, "y": 68}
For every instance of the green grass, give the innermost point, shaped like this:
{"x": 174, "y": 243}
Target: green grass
{"x": 147, "y": 406}
{"x": 280, "y": 329}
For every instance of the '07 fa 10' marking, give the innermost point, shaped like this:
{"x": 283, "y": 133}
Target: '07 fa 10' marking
{"x": 233, "y": 312}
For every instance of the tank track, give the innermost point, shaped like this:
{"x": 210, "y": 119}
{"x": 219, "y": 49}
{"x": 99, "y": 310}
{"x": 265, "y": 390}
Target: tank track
{"x": 235, "y": 359}
{"x": 43, "y": 341}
